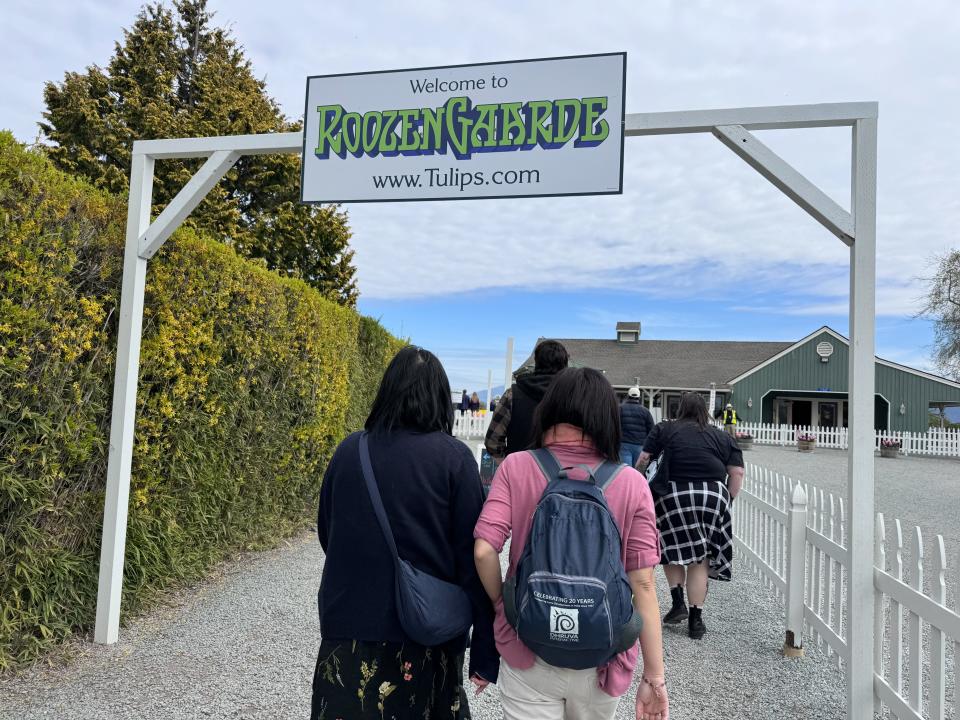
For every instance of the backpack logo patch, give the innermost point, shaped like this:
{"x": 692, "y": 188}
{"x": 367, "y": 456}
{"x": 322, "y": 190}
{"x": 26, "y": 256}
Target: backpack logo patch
{"x": 564, "y": 624}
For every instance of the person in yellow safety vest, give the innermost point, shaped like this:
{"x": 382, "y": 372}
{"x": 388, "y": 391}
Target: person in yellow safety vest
{"x": 729, "y": 419}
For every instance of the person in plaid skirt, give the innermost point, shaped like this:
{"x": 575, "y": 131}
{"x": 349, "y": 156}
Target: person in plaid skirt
{"x": 704, "y": 473}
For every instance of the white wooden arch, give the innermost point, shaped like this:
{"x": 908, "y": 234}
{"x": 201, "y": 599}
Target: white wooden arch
{"x": 732, "y": 127}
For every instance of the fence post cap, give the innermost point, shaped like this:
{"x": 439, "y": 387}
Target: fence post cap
{"x": 799, "y": 495}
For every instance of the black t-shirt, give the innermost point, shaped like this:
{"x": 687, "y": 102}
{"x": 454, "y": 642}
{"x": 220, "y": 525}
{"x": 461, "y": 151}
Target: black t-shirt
{"x": 696, "y": 454}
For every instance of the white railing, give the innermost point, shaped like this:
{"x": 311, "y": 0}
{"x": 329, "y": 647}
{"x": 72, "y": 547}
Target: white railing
{"x": 799, "y": 549}
{"x": 938, "y": 442}
{"x": 471, "y": 424}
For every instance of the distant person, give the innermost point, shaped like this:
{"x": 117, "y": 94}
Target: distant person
{"x": 464, "y": 402}
{"x": 576, "y": 426}
{"x": 474, "y": 403}
{"x": 493, "y": 403}
{"x": 511, "y": 428}
{"x": 429, "y": 485}
{"x": 636, "y": 423}
{"x": 728, "y": 416}
{"x": 693, "y": 516}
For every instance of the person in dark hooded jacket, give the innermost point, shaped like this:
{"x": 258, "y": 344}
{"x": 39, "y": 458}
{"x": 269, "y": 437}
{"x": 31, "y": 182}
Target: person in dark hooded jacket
{"x": 636, "y": 423}
{"x": 512, "y": 423}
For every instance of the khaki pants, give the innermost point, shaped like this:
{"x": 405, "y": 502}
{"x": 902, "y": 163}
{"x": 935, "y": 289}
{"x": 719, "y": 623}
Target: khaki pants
{"x": 730, "y": 429}
{"x": 545, "y": 692}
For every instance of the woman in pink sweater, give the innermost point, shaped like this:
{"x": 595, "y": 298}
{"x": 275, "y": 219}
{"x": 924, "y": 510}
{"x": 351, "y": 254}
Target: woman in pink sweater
{"x": 578, "y": 420}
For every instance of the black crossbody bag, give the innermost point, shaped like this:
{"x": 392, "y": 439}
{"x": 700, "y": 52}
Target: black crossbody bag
{"x": 432, "y": 611}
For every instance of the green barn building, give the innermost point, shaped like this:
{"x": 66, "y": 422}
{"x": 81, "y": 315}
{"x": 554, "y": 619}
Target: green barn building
{"x": 800, "y": 383}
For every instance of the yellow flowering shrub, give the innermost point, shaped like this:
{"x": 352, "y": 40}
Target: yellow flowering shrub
{"x": 247, "y": 382}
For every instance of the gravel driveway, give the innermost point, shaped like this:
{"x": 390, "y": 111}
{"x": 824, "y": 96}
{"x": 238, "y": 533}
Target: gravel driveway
{"x": 920, "y": 491}
{"x": 242, "y": 646}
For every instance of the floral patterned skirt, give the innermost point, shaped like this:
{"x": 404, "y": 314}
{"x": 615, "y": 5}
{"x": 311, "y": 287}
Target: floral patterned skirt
{"x": 356, "y": 680}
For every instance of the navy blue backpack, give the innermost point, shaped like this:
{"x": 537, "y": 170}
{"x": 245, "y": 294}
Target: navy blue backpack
{"x": 570, "y": 600}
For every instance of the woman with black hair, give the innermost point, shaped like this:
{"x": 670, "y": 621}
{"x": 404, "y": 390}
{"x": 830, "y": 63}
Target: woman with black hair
{"x": 693, "y": 515}
{"x": 429, "y": 483}
{"x": 578, "y": 420}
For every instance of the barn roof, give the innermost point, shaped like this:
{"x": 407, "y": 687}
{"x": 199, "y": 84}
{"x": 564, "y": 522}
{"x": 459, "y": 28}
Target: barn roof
{"x": 686, "y": 364}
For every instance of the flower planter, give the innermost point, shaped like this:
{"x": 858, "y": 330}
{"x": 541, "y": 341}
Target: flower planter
{"x": 745, "y": 443}
{"x": 890, "y": 451}
{"x": 806, "y": 446}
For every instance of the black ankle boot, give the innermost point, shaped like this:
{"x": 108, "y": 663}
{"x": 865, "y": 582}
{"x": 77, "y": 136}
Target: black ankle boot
{"x": 678, "y": 612}
{"x": 695, "y": 627}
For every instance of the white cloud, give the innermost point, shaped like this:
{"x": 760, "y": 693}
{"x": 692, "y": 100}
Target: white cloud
{"x": 692, "y": 216}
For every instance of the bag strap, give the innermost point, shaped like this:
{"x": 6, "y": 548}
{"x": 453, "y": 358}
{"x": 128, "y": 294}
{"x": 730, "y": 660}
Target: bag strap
{"x": 549, "y": 465}
{"x": 375, "y": 499}
{"x": 605, "y": 474}
{"x": 666, "y": 437}
{"x": 601, "y": 475}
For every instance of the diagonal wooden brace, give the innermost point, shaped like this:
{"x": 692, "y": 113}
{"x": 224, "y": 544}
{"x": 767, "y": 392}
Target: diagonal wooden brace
{"x": 782, "y": 174}
{"x": 192, "y": 194}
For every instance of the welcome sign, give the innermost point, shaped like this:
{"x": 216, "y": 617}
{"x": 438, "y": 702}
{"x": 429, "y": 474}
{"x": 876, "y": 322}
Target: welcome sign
{"x": 491, "y": 130}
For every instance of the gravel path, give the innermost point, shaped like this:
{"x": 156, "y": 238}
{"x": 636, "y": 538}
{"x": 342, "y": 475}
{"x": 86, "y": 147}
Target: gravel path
{"x": 243, "y": 645}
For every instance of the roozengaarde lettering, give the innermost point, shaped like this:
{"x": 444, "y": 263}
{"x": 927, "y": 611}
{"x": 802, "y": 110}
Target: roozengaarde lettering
{"x": 462, "y": 128}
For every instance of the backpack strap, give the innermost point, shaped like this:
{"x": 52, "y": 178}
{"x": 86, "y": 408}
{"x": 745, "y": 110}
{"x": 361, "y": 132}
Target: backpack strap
{"x": 605, "y": 474}
{"x": 601, "y": 475}
{"x": 549, "y": 465}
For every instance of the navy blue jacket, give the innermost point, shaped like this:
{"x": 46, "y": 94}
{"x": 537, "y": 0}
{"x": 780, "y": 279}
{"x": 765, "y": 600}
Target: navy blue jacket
{"x": 431, "y": 491}
{"x": 636, "y": 422}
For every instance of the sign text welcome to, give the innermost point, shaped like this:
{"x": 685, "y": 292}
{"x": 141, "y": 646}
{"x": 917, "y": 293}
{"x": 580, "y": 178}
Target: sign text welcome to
{"x": 516, "y": 129}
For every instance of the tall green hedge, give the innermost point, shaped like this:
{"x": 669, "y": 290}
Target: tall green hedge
{"x": 375, "y": 348}
{"x": 247, "y": 382}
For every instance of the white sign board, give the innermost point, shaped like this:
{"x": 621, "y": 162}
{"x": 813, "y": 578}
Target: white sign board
{"x": 491, "y": 130}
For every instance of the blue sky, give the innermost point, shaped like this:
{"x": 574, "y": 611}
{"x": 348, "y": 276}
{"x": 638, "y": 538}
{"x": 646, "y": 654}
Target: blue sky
{"x": 470, "y": 342}
{"x": 698, "y": 246}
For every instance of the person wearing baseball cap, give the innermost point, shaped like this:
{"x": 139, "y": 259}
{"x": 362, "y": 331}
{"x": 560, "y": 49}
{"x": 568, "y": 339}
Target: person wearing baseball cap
{"x": 636, "y": 422}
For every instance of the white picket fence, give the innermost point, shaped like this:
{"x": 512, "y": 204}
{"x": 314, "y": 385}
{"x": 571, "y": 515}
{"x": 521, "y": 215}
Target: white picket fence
{"x": 471, "y": 425}
{"x": 939, "y": 442}
{"x": 794, "y": 536}
{"x": 798, "y": 548}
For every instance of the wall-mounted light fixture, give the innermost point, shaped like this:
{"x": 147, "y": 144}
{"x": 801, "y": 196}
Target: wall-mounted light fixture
{"x": 749, "y": 402}
{"x": 903, "y": 409}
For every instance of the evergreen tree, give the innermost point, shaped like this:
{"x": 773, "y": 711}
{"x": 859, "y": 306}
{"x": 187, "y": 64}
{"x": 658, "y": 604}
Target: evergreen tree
{"x": 174, "y": 74}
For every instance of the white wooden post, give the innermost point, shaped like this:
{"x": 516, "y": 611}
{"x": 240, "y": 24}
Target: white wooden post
{"x": 879, "y": 619}
{"x": 508, "y": 369}
{"x": 124, "y": 411}
{"x": 896, "y": 615}
{"x": 797, "y": 539}
{"x": 938, "y": 666}
{"x": 489, "y": 390}
{"x": 914, "y": 626}
{"x": 860, "y": 498}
